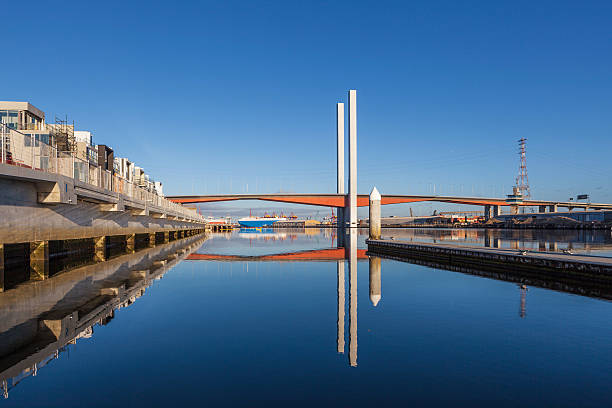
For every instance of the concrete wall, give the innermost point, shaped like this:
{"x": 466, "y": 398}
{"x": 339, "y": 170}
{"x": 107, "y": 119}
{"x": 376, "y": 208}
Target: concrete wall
{"x": 23, "y": 219}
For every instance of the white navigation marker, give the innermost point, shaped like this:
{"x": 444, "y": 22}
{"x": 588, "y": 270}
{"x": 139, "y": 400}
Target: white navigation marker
{"x": 375, "y": 220}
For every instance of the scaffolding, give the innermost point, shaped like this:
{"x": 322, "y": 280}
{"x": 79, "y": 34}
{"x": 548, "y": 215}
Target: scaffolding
{"x": 62, "y": 135}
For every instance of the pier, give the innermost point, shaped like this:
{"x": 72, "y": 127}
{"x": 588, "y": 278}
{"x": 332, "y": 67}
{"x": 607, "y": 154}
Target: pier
{"x": 551, "y": 265}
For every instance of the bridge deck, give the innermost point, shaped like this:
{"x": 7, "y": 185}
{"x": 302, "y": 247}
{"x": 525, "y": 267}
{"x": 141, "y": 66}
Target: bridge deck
{"x": 340, "y": 200}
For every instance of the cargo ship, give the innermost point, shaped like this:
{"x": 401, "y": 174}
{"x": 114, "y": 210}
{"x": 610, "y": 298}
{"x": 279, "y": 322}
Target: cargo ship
{"x": 259, "y": 222}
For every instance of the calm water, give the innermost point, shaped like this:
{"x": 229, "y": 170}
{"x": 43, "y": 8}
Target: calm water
{"x": 593, "y": 242}
{"x": 220, "y": 329}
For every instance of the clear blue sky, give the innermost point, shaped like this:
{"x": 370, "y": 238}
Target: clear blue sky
{"x": 212, "y": 96}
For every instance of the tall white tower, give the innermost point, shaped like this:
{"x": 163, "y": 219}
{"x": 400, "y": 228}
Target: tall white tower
{"x": 340, "y": 162}
{"x": 352, "y": 158}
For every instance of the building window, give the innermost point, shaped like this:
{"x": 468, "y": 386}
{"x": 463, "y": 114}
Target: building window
{"x": 9, "y": 118}
{"x": 38, "y": 137}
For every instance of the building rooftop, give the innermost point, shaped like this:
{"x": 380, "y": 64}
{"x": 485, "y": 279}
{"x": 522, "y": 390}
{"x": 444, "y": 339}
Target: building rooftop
{"x": 22, "y": 106}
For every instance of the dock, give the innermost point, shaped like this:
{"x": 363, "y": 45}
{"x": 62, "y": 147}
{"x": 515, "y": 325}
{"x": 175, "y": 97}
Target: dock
{"x": 561, "y": 267}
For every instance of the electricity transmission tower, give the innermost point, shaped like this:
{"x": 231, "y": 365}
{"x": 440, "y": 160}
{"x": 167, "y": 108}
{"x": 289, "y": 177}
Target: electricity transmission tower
{"x": 522, "y": 181}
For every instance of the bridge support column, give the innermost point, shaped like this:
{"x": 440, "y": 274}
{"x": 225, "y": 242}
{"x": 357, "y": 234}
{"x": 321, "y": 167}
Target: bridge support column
{"x": 342, "y": 212}
{"x": 340, "y": 217}
{"x": 340, "y": 147}
{"x": 542, "y": 208}
{"x": 496, "y": 242}
{"x": 496, "y": 211}
{"x": 488, "y": 211}
{"x": 353, "y": 158}
{"x": 341, "y": 227}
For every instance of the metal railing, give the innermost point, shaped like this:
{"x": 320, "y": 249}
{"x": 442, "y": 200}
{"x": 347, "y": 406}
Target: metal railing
{"x": 27, "y": 151}
{"x": 31, "y": 126}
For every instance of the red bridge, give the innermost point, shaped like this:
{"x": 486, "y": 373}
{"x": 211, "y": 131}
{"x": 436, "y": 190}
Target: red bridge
{"x": 332, "y": 254}
{"x": 340, "y": 200}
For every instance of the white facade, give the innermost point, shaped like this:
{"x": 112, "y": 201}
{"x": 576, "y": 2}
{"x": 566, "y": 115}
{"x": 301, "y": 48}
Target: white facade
{"x": 159, "y": 188}
{"x": 84, "y": 136}
{"x": 139, "y": 176}
{"x": 125, "y": 168}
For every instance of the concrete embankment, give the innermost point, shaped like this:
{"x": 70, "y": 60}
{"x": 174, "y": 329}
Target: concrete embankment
{"x": 579, "y": 269}
{"x": 50, "y": 221}
{"x": 39, "y": 206}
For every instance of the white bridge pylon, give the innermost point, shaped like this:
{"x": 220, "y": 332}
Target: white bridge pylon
{"x": 350, "y": 208}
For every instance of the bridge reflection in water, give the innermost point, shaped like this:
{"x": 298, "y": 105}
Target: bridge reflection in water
{"x": 39, "y": 321}
{"x": 348, "y": 255}
{"x": 340, "y": 255}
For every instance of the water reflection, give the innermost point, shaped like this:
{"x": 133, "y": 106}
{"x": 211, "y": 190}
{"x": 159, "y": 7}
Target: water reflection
{"x": 579, "y": 241}
{"x": 523, "y": 307}
{"x": 347, "y": 255}
{"x": 349, "y": 252}
{"x": 375, "y": 280}
{"x": 40, "y": 321}
{"x": 353, "y": 299}
{"x": 340, "y": 321}
{"x": 269, "y": 330}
